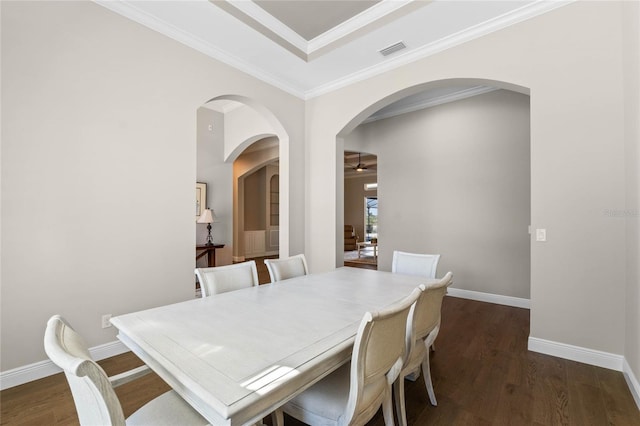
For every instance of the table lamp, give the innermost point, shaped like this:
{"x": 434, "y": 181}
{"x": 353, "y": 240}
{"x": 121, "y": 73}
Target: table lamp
{"x": 207, "y": 217}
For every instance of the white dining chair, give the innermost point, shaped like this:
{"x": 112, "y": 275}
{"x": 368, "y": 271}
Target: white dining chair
{"x": 415, "y": 264}
{"x": 93, "y": 391}
{"x": 353, "y": 393}
{"x": 422, "y": 328}
{"x": 290, "y": 267}
{"x": 221, "y": 279}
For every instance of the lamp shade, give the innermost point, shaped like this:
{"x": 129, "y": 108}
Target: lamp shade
{"x": 206, "y": 217}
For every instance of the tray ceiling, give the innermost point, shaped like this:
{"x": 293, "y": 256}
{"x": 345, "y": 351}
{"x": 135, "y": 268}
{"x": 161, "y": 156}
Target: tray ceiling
{"x": 311, "y": 47}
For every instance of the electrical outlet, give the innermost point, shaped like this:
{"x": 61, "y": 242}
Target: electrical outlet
{"x": 105, "y": 321}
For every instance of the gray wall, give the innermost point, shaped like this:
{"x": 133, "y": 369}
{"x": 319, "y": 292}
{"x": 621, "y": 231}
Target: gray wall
{"x": 573, "y": 71}
{"x": 211, "y": 169}
{"x": 101, "y": 118}
{"x": 99, "y": 129}
{"x": 455, "y": 180}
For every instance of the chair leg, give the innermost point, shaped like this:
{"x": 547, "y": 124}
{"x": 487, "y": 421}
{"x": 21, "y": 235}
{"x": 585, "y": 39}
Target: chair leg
{"x": 426, "y": 373}
{"x": 277, "y": 417}
{"x": 398, "y": 393}
{"x": 387, "y": 409}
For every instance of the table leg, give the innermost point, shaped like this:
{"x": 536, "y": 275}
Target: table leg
{"x": 211, "y": 257}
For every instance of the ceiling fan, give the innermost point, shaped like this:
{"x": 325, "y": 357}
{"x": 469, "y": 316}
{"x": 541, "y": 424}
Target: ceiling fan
{"x": 360, "y": 167}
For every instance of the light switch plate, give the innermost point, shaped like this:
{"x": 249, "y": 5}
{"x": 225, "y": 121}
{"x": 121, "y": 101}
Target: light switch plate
{"x": 541, "y": 235}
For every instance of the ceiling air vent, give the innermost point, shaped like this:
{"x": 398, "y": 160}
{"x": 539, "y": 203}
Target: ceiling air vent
{"x": 393, "y": 48}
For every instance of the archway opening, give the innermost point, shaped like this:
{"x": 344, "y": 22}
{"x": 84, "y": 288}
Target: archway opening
{"x": 453, "y": 178}
{"x": 227, "y": 126}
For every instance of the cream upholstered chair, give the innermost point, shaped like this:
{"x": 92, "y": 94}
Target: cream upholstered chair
{"x": 352, "y": 394}
{"x": 422, "y": 328}
{"x": 424, "y": 265}
{"x": 282, "y": 269}
{"x": 415, "y": 264}
{"x": 221, "y": 279}
{"x": 96, "y": 401}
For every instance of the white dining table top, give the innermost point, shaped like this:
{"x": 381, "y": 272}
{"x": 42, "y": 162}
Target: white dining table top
{"x": 236, "y": 356}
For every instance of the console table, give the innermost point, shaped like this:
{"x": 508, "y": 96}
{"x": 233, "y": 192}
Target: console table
{"x": 210, "y": 251}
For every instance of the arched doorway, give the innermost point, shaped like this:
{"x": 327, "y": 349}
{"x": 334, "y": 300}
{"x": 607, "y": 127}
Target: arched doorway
{"x": 256, "y": 200}
{"x": 227, "y": 125}
{"x": 462, "y": 191}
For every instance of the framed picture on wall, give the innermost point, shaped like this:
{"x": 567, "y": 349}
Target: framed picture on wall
{"x": 201, "y": 198}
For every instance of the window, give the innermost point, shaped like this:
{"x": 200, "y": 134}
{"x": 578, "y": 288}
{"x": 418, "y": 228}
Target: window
{"x": 370, "y": 218}
{"x": 274, "y": 200}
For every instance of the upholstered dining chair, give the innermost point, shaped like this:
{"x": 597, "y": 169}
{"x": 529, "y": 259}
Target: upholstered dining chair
{"x": 424, "y": 265}
{"x": 415, "y": 264}
{"x": 282, "y": 269}
{"x": 93, "y": 392}
{"x": 422, "y": 328}
{"x": 353, "y": 393}
{"x": 221, "y": 279}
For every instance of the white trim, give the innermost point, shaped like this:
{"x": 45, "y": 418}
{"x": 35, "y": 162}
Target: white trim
{"x": 632, "y": 382}
{"x": 510, "y": 18}
{"x": 361, "y": 20}
{"x": 239, "y": 258}
{"x": 347, "y": 27}
{"x": 577, "y": 353}
{"x": 428, "y": 103}
{"x": 516, "y": 302}
{"x": 523, "y": 13}
{"x": 41, "y": 369}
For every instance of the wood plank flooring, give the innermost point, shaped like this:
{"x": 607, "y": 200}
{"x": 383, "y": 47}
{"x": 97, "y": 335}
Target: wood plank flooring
{"x": 482, "y": 375}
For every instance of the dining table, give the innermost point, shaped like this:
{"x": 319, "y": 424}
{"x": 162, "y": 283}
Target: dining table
{"x": 237, "y": 356}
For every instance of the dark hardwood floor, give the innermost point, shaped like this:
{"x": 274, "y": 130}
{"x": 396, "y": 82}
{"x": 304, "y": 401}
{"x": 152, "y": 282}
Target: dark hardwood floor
{"x": 482, "y": 375}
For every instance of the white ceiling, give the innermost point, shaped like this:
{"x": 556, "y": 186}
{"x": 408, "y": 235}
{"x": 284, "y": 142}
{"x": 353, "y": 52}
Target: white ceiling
{"x": 308, "y": 47}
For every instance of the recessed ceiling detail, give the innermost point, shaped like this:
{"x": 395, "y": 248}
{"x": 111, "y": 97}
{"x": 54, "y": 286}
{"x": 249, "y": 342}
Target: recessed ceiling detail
{"x": 257, "y": 42}
{"x": 326, "y": 14}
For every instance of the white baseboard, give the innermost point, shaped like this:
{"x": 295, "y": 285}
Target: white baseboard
{"x": 41, "y": 369}
{"x": 262, "y": 254}
{"x": 516, "y": 302}
{"x": 577, "y": 353}
{"x": 632, "y": 382}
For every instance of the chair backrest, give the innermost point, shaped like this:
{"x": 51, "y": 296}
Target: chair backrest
{"x": 221, "y": 279}
{"x": 377, "y": 358}
{"x": 282, "y": 269}
{"x": 425, "y": 314}
{"x": 96, "y": 401}
{"x": 424, "y": 265}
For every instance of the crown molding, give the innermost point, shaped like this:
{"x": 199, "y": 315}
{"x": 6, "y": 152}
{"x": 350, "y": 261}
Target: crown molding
{"x": 503, "y": 21}
{"x": 131, "y": 12}
{"x": 428, "y": 103}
